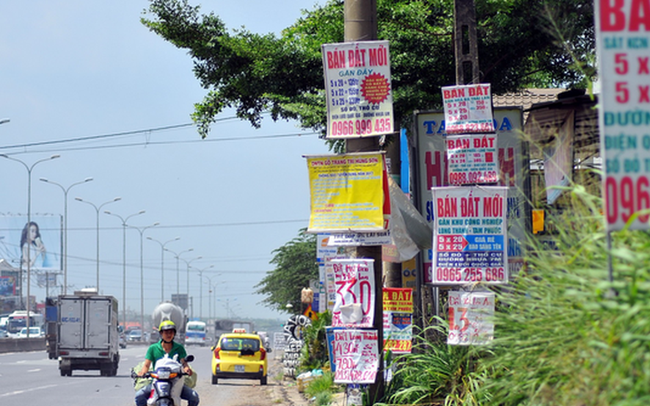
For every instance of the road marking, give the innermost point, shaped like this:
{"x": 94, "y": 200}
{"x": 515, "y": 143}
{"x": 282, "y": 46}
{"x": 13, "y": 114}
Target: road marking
{"x": 18, "y": 392}
{"x": 33, "y": 370}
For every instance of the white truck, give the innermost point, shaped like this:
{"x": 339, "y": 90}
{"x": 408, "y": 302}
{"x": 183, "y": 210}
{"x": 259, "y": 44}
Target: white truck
{"x": 87, "y": 336}
{"x": 170, "y": 311}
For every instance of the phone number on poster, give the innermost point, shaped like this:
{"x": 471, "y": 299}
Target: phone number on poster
{"x": 626, "y": 196}
{"x": 361, "y": 127}
{"x": 458, "y": 178}
{"x": 470, "y": 274}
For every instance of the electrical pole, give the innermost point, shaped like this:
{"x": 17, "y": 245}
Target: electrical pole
{"x": 360, "y": 24}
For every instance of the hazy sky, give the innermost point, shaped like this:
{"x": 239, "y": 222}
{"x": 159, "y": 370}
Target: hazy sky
{"x": 74, "y": 69}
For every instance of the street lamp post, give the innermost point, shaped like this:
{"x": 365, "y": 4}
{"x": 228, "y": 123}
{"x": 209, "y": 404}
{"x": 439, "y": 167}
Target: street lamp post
{"x": 162, "y": 264}
{"x": 141, "y": 231}
{"x": 124, "y": 225}
{"x": 187, "y": 286}
{"x": 200, "y": 271}
{"x": 212, "y": 289}
{"x": 29, "y": 220}
{"x": 178, "y": 272}
{"x": 97, "y": 209}
{"x": 65, "y": 225}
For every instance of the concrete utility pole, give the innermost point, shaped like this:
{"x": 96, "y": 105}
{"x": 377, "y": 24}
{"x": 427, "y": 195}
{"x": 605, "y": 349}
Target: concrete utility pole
{"x": 360, "y": 17}
{"x": 465, "y": 46}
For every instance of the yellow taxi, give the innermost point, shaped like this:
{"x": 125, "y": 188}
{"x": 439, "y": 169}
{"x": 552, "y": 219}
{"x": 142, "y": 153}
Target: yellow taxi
{"x": 239, "y": 355}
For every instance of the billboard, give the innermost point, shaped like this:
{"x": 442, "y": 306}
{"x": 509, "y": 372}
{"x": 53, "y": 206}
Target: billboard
{"x": 622, "y": 38}
{"x": 512, "y": 156}
{"x": 40, "y": 242}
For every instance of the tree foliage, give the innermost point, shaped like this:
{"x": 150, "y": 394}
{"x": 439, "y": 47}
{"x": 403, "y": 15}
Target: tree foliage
{"x": 522, "y": 43}
{"x": 295, "y": 265}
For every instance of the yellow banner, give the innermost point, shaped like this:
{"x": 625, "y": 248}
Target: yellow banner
{"x": 347, "y": 192}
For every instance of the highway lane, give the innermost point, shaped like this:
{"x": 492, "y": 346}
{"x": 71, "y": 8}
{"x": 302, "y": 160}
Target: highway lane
{"x": 30, "y": 378}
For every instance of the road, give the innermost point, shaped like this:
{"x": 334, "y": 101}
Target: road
{"x": 30, "y": 378}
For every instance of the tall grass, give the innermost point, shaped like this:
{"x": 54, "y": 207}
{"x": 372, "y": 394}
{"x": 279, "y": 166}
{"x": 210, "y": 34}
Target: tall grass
{"x": 564, "y": 334}
{"x": 435, "y": 373}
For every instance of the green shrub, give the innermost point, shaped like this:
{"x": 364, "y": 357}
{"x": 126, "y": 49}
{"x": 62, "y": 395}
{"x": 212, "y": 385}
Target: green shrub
{"x": 564, "y": 335}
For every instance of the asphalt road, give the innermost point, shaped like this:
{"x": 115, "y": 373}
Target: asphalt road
{"x": 30, "y": 378}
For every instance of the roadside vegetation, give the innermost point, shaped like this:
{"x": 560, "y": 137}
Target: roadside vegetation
{"x": 564, "y": 335}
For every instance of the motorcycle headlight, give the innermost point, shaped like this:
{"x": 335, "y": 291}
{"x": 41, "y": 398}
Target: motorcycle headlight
{"x": 163, "y": 373}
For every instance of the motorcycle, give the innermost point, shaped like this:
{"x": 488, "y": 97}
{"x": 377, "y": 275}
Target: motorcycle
{"x": 167, "y": 381}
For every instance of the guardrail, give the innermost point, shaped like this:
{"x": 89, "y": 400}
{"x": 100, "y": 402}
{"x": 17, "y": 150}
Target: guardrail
{"x": 21, "y": 344}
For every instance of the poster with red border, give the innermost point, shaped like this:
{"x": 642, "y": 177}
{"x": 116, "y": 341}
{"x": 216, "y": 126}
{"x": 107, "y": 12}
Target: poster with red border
{"x": 470, "y": 235}
{"x": 622, "y": 43}
{"x": 472, "y": 159}
{"x": 358, "y": 89}
{"x": 468, "y": 108}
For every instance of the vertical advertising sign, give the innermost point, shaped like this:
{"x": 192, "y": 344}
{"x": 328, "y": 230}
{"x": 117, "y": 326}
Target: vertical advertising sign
{"x": 347, "y": 193}
{"x": 356, "y": 355}
{"x": 358, "y": 89}
{"x": 469, "y": 235}
{"x": 468, "y": 108}
{"x": 398, "y": 319}
{"x": 470, "y": 316}
{"x": 354, "y": 283}
{"x": 623, "y": 45}
{"x": 512, "y": 156}
{"x": 472, "y": 159}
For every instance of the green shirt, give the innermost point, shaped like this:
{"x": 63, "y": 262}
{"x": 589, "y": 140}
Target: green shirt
{"x": 156, "y": 351}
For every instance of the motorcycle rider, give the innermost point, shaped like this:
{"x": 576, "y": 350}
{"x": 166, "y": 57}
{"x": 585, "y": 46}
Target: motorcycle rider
{"x": 156, "y": 351}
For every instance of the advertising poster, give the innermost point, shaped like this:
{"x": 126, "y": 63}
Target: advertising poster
{"x": 512, "y": 156}
{"x": 7, "y": 286}
{"x": 358, "y": 89}
{"x": 472, "y": 159}
{"x": 347, "y": 193}
{"x": 42, "y": 239}
{"x": 470, "y": 318}
{"x": 356, "y": 355}
{"x": 469, "y": 235}
{"x": 354, "y": 284}
{"x": 623, "y": 46}
{"x": 398, "y": 319}
{"x": 468, "y": 108}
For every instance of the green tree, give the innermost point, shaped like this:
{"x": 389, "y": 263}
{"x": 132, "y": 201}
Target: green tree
{"x": 522, "y": 43}
{"x": 296, "y": 265}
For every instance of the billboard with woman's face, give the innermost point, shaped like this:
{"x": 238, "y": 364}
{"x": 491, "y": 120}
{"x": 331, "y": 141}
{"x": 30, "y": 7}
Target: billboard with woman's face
{"x": 37, "y": 243}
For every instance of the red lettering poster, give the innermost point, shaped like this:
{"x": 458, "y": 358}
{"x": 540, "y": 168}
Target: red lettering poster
{"x": 358, "y": 89}
{"x": 623, "y": 45}
{"x": 468, "y": 109}
{"x": 470, "y": 318}
{"x": 472, "y": 159}
{"x": 469, "y": 235}
{"x": 356, "y": 355}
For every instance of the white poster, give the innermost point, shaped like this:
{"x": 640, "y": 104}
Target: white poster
{"x": 468, "y": 109}
{"x": 354, "y": 287}
{"x": 358, "y": 89}
{"x": 469, "y": 235}
{"x": 470, "y": 318}
{"x": 472, "y": 159}
{"x": 622, "y": 42}
{"x": 356, "y": 354}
